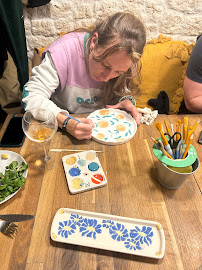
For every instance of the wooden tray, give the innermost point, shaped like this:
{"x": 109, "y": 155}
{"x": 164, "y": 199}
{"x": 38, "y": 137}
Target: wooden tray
{"x": 109, "y": 232}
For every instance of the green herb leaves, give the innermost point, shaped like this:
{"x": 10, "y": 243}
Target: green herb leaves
{"x": 12, "y": 180}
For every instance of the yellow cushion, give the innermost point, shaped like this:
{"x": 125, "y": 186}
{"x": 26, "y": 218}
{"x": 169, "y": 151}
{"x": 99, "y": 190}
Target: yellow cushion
{"x": 164, "y": 64}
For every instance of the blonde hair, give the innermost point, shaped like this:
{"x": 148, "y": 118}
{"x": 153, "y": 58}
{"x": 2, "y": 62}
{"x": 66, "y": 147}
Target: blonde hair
{"x": 123, "y": 31}
{"x": 128, "y": 33}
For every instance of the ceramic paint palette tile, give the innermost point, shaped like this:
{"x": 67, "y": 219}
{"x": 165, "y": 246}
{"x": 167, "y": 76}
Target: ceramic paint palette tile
{"x": 83, "y": 171}
{"x": 112, "y": 126}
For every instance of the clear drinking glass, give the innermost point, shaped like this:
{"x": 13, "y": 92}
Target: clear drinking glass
{"x": 40, "y": 126}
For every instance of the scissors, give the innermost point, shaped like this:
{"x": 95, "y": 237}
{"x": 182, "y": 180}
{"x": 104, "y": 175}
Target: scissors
{"x": 173, "y": 139}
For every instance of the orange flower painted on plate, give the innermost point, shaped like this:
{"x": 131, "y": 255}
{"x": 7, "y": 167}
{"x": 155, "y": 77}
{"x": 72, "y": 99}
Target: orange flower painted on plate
{"x": 120, "y": 116}
{"x": 103, "y": 124}
{"x": 104, "y": 112}
{"x": 100, "y": 136}
{"x": 120, "y": 139}
{"x": 120, "y": 127}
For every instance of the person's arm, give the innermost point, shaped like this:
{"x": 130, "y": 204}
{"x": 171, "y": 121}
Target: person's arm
{"x": 37, "y": 93}
{"x": 42, "y": 84}
{"x": 128, "y": 103}
{"x": 193, "y": 95}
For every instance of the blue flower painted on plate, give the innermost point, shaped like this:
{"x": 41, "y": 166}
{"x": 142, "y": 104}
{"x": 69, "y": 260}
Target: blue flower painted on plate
{"x": 117, "y": 138}
{"x": 127, "y": 123}
{"x": 112, "y": 123}
{"x": 76, "y": 219}
{"x": 66, "y": 228}
{"x": 144, "y": 235}
{"x": 132, "y": 244}
{"x": 128, "y": 133}
{"x": 107, "y": 223}
{"x": 90, "y": 228}
{"x": 118, "y": 232}
{"x": 75, "y": 171}
{"x": 106, "y": 116}
{"x": 116, "y": 131}
{"x": 115, "y": 119}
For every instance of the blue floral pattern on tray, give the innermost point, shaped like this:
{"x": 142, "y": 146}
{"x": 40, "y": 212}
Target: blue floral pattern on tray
{"x": 109, "y": 232}
{"x": 133, "y": 239}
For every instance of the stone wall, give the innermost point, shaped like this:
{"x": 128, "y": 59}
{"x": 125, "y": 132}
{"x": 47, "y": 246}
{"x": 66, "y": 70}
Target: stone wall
{"x": 182, "y": 20}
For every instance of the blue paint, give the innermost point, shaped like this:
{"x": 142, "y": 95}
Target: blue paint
{"x": 132, "y": 239}
{"x": 75, "y": 171}
{"x": 93, "y": 166}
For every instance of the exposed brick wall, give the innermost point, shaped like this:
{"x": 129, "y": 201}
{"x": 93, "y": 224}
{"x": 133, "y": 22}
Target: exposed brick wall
{"x": 182, "y": 20}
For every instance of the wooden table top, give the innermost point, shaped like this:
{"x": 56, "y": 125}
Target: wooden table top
{"x": 131, "y": 191}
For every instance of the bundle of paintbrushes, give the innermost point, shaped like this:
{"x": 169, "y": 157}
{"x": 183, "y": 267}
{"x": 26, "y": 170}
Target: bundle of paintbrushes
{"x": 175, "y": 145}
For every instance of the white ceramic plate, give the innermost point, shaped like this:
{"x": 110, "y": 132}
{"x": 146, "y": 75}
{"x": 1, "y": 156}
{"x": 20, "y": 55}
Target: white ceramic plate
{"x": 109, "y": 232}
{"x": 112, "y": 126}
{"x": 5, "y": 162}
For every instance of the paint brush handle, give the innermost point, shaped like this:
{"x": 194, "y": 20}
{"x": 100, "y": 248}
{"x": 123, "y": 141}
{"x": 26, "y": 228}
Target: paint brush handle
{"x": 184, "y": 133}
{"x": 177, "y": 151}
{"x": 167, "y": 128}
{"x": 157, "y": 144}
{"x": 178, "y": 130}
{"x": 172, "y": 129}
{"x": 165, "y": 141}
{"x": 192, "y": 130}
{"x": 163, "y": 150}
{"x": 73, "y": 118}
{"x": 169, "y": 150}
{"x": 188, "y": 134}
{"x": 71, "y": 150}
{"x": 187, "y": 148}
{"x": 183, "y": 150}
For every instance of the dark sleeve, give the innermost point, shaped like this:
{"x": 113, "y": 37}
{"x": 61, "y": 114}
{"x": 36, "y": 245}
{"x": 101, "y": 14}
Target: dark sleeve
{"x": 11, "y": 14}
{"x": 194, "y": 68}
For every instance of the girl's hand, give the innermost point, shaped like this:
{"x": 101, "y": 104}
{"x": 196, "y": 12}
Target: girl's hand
{"x": 82, "y": 130}
{"x": 128, "y": 106}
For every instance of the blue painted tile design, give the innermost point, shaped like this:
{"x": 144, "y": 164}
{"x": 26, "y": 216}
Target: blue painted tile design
{"x": 132, "y": 239}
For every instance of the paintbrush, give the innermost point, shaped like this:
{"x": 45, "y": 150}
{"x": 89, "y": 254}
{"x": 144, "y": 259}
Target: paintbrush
{"x": 157, "y": 143}
{"x": 165, "y": 142}
{"x": 77, "y": 120}
{"x": 71, "y": 150}
{"x": 187, "y": 148}
{"x": 185, "y": 128}
{"x": 163, "y": 150}
{"x": 178, "y": 129}
{"x": 172, "y": 128}
{"x": 167, "y": 128}
{"x": 192, "y": 130}
{"x": 188, "y": 134}
{"x": 177, "y": 151}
